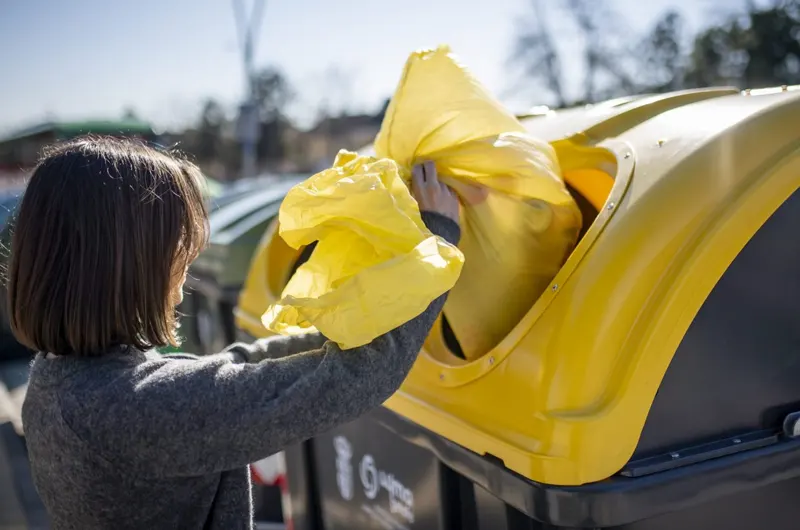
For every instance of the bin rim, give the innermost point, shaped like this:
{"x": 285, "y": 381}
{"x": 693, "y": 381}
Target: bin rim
{"x": 235, "y": 230}
{"x": 455, "y": 375}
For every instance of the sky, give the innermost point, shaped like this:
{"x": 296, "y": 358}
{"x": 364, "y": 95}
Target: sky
{"x": 82, "y": 59}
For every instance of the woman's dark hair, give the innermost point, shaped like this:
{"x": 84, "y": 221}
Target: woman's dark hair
{"x": 104, "y": 234}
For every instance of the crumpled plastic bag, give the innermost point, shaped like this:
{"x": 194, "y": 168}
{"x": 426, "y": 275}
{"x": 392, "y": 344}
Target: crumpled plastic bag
{"x": 376, "y": 265}
{"x": 519, "y": 222}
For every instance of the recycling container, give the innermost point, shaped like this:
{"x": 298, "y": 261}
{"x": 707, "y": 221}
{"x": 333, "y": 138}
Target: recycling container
{"x": 217, "y": 196}
{"x": 217, "y": 275}
{"x": 653, "y": 386}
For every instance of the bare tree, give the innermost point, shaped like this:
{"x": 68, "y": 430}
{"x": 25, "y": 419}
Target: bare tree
{"x": 595, "y": 19}
{"x": 663, "y": 55}
{"x": 209, "y": 131}
{"x": 537, "y": 51}
{"x": 759, "y": 47}
{"x": 272, "y": 92}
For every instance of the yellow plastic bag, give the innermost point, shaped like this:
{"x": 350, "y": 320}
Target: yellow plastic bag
{"x": 517, "y": 234}
{"x": 376, "y": 265}
{"x": 517, "y": 228}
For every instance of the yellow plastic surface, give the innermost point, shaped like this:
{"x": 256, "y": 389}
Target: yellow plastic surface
{"x": 564, "y": 397}
{"x": 592, "y": 184}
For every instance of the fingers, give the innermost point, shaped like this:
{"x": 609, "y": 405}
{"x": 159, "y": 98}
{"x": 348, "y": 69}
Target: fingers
{"x": 431, "y": 194}
{"x": 425, "y": 177}
{"x": 432, "y": 179}
{"x": 430, "y": 172}
{"x": 424, "y": 173}
{"x": 417, "y": 179}
{"x": 469, "y": 193}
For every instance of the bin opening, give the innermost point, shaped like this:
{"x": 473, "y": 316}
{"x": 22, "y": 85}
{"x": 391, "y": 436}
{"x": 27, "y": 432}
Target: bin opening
{"x": 450, "y": 340}
{"x": 305, "y": 255}
{"x": 590, "y": 187}
{"x": 597, "y": 185}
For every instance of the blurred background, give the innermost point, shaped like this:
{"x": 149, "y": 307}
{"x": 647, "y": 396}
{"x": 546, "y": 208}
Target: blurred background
{"x": 250, "y": 87}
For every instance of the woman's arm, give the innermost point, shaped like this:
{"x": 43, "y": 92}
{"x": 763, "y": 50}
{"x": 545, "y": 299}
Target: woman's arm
{"x": 275, "y": 347}
{"x": 184, "y": 417}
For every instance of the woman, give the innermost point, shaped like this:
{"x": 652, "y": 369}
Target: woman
{"x": 121, "y": 437}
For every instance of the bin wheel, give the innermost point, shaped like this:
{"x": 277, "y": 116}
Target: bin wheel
{"x": 791, "y": 425}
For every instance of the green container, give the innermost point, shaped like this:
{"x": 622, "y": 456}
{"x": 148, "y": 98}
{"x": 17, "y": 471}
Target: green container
{"x": 218, "y": 273}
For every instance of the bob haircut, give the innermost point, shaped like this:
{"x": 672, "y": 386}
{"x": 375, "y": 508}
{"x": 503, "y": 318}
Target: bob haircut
{"x": 104, "y": 234}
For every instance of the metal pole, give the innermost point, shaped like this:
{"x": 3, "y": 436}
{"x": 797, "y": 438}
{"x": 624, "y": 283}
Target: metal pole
{"x": 249, "y": 123}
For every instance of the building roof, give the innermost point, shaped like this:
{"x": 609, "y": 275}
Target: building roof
{"x": 74, "y": 128}
{"x": 347, "y": 122}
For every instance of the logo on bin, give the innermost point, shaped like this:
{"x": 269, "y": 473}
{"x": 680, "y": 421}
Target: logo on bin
{"x": 401, "y": 499}
{"x": 344, "y": 467}
{"x": 369, "y": 477}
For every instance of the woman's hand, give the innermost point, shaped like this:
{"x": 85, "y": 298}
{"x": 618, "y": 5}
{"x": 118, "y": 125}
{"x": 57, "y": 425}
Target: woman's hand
{"x": 432, "y": 195}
